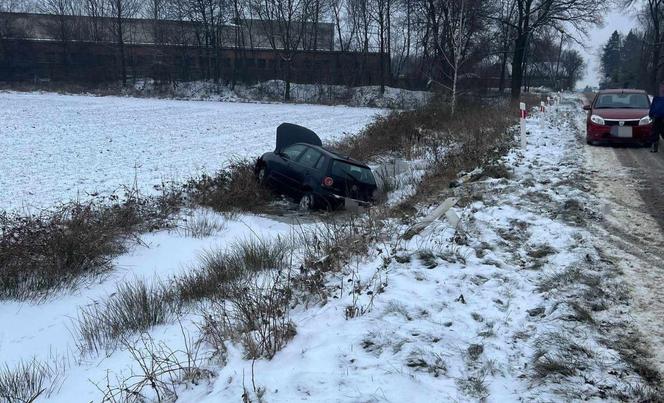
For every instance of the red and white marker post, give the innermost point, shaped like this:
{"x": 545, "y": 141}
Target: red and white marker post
{"x": 524, "y": 115}
{"x": 542, "y": 106}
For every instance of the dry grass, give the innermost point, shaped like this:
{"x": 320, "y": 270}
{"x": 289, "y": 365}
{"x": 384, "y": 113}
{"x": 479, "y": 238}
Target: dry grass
{"x": 232, "y": 189}
{"x": 428, "y": 130}
{"x": 29, "y": 381}
{"x": 57, "y": 248}
{"x": 136, "y": 307}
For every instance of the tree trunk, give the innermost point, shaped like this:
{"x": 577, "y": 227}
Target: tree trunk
{"x": 121, "y": 48}
{"x": 287, "y": 94}
{"x": 654, "y": 72}
{"x": 503, "y": 70}
{"x": 517, "y": 64}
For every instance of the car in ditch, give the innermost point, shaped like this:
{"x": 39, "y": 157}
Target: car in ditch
{"x": 318, "y": 178}
{"x": 619, "y": 116}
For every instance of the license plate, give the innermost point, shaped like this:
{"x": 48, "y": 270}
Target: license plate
{"x": 621, "y": 131}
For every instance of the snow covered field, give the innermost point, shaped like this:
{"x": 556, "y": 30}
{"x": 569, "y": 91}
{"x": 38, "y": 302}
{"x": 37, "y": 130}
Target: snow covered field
{"x": 55, "y": 148}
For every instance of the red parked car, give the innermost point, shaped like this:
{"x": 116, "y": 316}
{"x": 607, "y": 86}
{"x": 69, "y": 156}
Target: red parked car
{"x": 619, "y": 116}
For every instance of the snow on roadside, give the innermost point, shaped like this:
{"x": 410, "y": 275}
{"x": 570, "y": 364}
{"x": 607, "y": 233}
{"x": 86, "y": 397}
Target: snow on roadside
{"x": 460, "y": 315}
{"x": 57, "y": 148}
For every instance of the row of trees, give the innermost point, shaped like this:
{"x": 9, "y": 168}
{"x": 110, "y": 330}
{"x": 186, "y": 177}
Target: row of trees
{"x": 623, "y": 61}
{"x": 448, "y": 43}
{"x": 636, "y": 59}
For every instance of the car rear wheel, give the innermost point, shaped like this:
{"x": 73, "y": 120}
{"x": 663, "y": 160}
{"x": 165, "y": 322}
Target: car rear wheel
{"x": 307, "y": 202}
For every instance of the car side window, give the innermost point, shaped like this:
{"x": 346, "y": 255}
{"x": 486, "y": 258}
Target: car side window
{"x": 320, "y": 163}
{"x": 310, "y": 158}
{"x": 294, "y": 151}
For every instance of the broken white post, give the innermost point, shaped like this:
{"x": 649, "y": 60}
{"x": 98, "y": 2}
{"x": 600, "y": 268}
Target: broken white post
{"x": 433, "y": 216}
{"x": 522, "y": 108}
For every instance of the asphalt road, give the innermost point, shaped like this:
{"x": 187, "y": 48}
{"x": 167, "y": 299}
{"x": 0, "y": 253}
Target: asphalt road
{"x": 629, "y": 182}
{"x": 648, "y": 170}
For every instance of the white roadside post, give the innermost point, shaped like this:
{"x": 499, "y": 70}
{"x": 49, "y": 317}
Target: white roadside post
{"x": 522, "y": 108}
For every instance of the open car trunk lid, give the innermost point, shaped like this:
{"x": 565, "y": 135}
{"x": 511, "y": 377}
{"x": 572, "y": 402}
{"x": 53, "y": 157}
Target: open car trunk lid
{"x": 289, "y": 133}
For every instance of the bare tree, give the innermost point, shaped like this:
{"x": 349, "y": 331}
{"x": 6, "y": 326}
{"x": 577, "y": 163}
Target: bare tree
{"x": 533, "y": 15}
{"x": 653, "y": 16}
{"x": 121, "y": 10}
{"x": 284, "y": 23}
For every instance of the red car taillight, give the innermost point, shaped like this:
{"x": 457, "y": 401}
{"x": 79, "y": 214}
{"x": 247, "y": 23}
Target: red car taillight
{"x": 328, "y": 182}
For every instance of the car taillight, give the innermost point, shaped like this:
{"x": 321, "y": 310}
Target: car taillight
{"x": 327, "y": 181}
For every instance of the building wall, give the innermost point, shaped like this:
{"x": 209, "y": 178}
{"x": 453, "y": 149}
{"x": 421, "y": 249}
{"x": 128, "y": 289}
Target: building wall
{"x": 247, "y": 33}
{"x": 22, "y": 59}
{"x": 74, "y": 48}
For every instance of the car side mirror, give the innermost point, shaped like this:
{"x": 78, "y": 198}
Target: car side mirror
{"x": 282, "y": 155}
{"x": 586, "y": 107}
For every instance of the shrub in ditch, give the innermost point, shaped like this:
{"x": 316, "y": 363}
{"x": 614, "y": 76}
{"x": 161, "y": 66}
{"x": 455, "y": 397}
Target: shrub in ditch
{"x": 232, "y": 189}
{"x": 57, "y": 248}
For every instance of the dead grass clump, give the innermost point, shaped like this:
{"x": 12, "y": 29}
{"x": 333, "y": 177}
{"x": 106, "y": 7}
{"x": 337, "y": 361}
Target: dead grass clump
{"x": 219, "y": 267}
{"x": 132, "y": 308}
{"x": 634, "y": 351}
{"x": 201, "y": 225}
{"x": 432, "y": 363}
{"x": 231, "y": 189}
{"x": 557, "y": 355}
{"x": 55, "y": 249}
{"x": 28, "y": 381}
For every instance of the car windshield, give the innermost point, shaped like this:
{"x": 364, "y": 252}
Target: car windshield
{"x": 358, "y": 173}
{"x": 622, "y": 101}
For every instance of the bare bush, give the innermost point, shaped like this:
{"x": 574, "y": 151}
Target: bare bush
{"x": 254, "y": 313}
{"x": 161, "y": 370}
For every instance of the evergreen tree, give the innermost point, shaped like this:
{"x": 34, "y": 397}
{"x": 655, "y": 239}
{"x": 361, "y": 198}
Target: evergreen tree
{"x": 611, "y": 62}
{"x": 632, "y": 70}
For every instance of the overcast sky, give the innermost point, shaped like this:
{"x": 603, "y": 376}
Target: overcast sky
{"x": 621, "y": 20}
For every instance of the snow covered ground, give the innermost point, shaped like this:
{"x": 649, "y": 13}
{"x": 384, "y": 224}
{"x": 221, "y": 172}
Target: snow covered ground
{"x": 516, "y": 304}
{"x": 273, "y": 91}
{"x": 55, "y": 148}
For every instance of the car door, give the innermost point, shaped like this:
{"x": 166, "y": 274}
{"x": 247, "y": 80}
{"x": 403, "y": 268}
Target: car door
{"x": 304, "y": 169}
{"x": 282, "y": 170}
